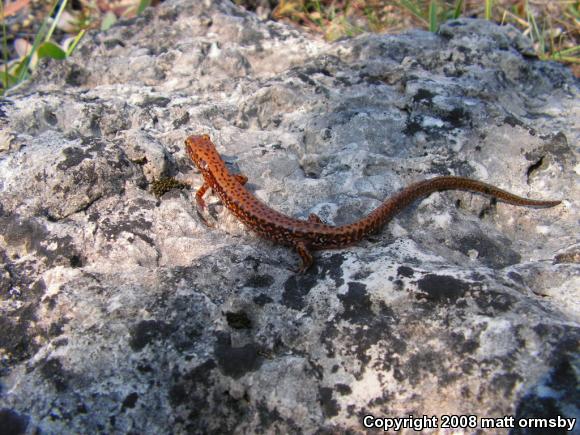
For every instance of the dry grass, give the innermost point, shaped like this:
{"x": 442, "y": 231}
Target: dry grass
{"x": 553, "y": 26}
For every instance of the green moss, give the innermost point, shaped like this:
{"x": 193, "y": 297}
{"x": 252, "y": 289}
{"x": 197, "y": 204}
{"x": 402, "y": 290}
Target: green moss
{"x": 165, "y": 184}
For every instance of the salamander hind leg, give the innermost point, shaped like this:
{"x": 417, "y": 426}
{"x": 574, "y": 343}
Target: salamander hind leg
{"x": 305, "y": 255}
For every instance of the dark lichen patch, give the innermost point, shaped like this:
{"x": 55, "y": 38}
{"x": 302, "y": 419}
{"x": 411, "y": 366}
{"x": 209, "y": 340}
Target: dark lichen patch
{"x": 512, "y": 121}
{"x": 236, "y": 361}
{"x": 461, "y": 345}
{"x": 563, "y": 378}
{"x": 31, "y": 234}
{"x": 506, "y": 383}
{"x": 147, "y": 331}
{"x": 204, "y": 406}
{"x": 17, "y": 337}
{"x": 296, "y": 288}
{"x": 4, "y": 104}
{"x": 53, "y": 371}
{"x": 362, "y": 274}
{"x": 165, "y": 184}
{"x": 262, "y": 300}
{"x": 477, "y": 277}
{"x": 332, "y": 267}
{"x": 238, "y": 320}
{"x": 442, "y": 288}
{"x": 76, "y": 261}
{"x": 259, "y": 281}
{"x": 457, "y": 117}
{"x": 538, "y": 407}
{"x": 398, "y": 285}
{"x": 422, "y": 364}
{"x": 28, "y": 233}
{"x": 561, "y": 383}
{"x": 360, "y": 338}
{"x": 342, "y": 389}
{"x": 56, "y": 328}
{"x": 491, "y": 302}
{"x": 12, "y": 423}
{"x": 267, "y": 417}
{"x": 178, "y": 395}
{"x": 198, "y": 377}
{"x": 136, "y": 225}
{"x": 490, "y": 252}
{"x": 130, "y": 401}
{"x": 76, "y": 75}
{"x": 412, "y": 126}
{"x": 357, "y": 304}
{"x": 186, "y": 338}
{"x": 74, "y": 156}
{"x": 330, "y": 406}
{"x": 395, "y": 348}
{"x": 424, "y": 96}
{"x": 405, "y": 271}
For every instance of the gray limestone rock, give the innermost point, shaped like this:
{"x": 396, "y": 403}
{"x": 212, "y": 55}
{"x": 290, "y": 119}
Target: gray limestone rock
{"x": 122, "y": 312}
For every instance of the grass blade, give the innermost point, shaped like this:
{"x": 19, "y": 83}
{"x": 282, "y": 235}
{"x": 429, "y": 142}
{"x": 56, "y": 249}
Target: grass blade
{"x": 4, "y": 48}
{"x": 488, "y": 8}
{"x": 55, "y": 20}
{"x": 75, "y": 42}
{"x": 37, "y": 41}
{"x": 432, "y": 16}
{"x": 413, "y": 9}
{"x": 535, "y": 32}
{"x": 457, "y": 10}
{"x": 143, "y": 4}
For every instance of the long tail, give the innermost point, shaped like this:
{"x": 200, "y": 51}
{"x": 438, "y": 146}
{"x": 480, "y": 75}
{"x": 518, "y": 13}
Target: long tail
{"x": 385, "y": 212}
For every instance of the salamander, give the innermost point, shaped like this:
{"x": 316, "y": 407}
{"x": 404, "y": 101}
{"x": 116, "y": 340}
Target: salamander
{"x": 314, "y": 234}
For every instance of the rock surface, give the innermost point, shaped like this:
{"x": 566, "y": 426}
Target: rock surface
{"x": 122, "y": 312}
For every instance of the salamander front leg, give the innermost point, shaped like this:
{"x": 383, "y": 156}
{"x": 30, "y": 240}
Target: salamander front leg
{"x": 305, "y": 255}
{"x": 199, "y": 195}
{"x": 200, "y": 203}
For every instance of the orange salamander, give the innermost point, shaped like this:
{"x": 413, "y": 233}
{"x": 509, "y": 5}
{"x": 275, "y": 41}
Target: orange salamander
{"x": 313, "y": 234}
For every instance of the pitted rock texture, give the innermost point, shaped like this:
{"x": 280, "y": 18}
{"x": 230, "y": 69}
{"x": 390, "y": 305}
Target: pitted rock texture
{"x": 122, "y": 312}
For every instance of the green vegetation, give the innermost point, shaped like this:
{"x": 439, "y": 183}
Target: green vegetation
{"x": 552, "y": 26}
{"x": 14, "y": 72}
{"x": 165, "y": 184}
{"x": 74, "y": 25}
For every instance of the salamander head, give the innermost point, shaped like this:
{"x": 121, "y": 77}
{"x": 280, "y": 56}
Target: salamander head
{"x": 199, "y": 148}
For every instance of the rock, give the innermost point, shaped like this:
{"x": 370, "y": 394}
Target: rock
{"x": 122, "y": 312}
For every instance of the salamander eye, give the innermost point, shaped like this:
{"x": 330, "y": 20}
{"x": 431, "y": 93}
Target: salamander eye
{"x": 206, "y": 137}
